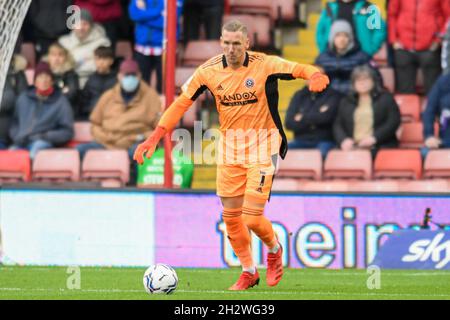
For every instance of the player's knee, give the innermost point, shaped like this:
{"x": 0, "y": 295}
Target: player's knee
{"x": 251, "y": 221}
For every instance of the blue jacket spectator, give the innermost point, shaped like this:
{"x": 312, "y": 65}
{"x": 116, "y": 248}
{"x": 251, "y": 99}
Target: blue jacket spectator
{"x": 43, "y": 117}
{"x": 438, "y": 107}
{"x": 148, "y": 15}
{"x": 446, "y": 51}
{"x": 342, "y": 56}
{"x": 366, "y": 21}
{"x": 311, "y": 116}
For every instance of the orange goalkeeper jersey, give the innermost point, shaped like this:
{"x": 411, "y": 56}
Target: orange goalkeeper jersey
{"x": 247, "y": 98}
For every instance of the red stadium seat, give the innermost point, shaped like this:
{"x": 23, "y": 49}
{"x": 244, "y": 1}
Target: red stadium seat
{"x": 410, "y": 107}
{"x": 182, "y": 74}
{"x": 56, "y": 165}
{"x": 425, "y": 186}
{"x": 285, "y": 184}
{"x": 82, "y": 134}
{"x": 283, "y": 10}
{"x": 28, "y": 50}
{"x": 437, "y": 164}
{"x": 411, "y": 135}
{"x": 124, "y": 50}
{"x": 356, "y": 164}
{"x": 324, "y": 186}
{"x": 110, "y": 167}
{"x": 15, "y": 166}
{"x": 198, "y": 52}
{"x": 251, "y": 6}
{"x": 259, "y": 28}
{"x": 302, "y": 164}
{"x": 374, "y": 186}
{"x": 398, "y": 164}
{"x": 388, "y": 76}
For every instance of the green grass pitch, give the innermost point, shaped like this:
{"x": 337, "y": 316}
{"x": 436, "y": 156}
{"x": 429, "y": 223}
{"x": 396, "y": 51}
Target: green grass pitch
{"x": 206, "y": 284}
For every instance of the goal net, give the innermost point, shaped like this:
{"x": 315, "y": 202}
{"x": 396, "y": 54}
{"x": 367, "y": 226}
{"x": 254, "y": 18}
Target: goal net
{"x": 12, "y": 14}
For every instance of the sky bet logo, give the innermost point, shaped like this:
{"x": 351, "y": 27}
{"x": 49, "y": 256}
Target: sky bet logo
{"x": 238, "y": 99}
{"x": 425, "y": 249}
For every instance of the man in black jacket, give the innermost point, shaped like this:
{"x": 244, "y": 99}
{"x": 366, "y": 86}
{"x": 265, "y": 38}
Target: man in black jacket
{"x": 369, "y": 117}
{"x": 15, "y": 84}
{"x": 98, "y": 83}
{"x": 48, "y": 19}
{"x": 311, "y": 116}
{"x": 206, "y": 12}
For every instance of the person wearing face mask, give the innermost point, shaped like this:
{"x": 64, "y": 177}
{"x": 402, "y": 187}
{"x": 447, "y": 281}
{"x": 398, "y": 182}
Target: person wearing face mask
{"x": 124, "y": 115}
{"x": 365, "y": 19}
{"x": 43, "y": 117}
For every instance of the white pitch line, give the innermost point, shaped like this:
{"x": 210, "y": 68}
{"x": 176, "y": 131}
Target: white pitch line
{"x": 328, "y": 273}
{"x": 273, "y": 293}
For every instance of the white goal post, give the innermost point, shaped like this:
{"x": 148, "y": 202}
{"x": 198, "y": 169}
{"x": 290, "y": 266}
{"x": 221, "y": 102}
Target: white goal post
{"x": 12, "y": 14}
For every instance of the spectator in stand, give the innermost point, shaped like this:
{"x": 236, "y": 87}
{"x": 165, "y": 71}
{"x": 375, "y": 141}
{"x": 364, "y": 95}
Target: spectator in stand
{"x": 342, "y": 56}
{"x": 364, "y": 18}
{"x": 208, "y": 13}
{"x": 125, "y": 115}
{"x": 438, "y": 107}
{"x": 108, "y": 13}
{"x": 446, "y": 50}
{"x": 82, "y": 42}
{"x": 98, "y": 83}
{"x": 414, "y": 29}
{"x": 310, "y": 116}
{"x": 48, "y": 19}
{"x": 148, "y": 16}
{"x": 43, "y": 117}
{"x": 65, "y": 78}
{"x": 369, "y": 117}
{"x": 15, "y": 84}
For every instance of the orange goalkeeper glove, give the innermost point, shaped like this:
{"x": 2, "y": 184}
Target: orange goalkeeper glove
{"x": 318, "y": 82}
{"x": 148, "y": 147}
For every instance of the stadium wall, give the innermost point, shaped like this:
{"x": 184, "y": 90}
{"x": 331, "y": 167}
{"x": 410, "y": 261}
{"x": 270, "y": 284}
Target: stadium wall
{"x": 141, "y": 227}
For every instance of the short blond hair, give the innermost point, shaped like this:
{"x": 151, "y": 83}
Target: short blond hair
{"x": 235, "y": 26}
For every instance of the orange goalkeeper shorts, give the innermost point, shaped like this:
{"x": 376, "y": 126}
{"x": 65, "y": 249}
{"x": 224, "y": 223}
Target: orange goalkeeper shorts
{"x": 246, "y": 179}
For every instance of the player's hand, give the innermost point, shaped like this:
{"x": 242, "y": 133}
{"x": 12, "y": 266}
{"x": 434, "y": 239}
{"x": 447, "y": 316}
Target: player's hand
{"x": 148, "y": 147}
{"x": 318, "y": 82}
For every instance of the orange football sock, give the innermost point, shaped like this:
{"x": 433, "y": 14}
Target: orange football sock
{"x": 260, "y": 225}
{"x": 239, "y": 236}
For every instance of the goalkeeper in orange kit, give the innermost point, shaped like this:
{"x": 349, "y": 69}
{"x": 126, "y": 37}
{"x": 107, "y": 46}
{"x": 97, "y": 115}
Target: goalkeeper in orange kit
{"x": 244, "y": 85}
